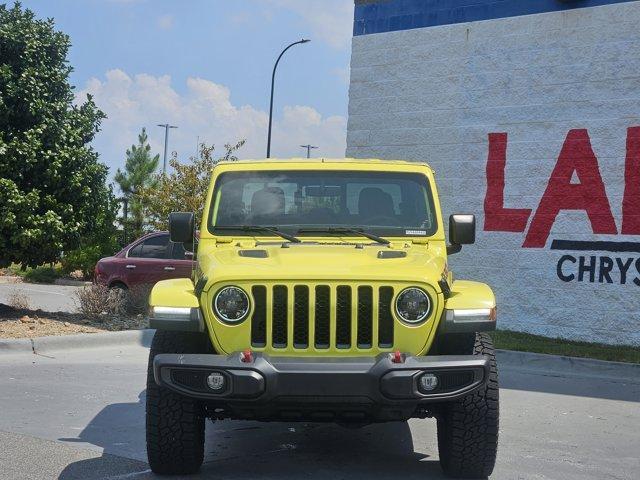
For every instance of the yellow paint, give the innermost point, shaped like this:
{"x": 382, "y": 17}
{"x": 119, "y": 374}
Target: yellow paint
{"x": 317, "y": 264}
{"x": 177, "y": 292}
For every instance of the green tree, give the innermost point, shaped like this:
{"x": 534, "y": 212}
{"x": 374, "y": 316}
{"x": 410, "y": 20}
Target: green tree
{"x": 53, "y": 191}
{"x": 185, "y": 188}
{"x": 139, "y": 174}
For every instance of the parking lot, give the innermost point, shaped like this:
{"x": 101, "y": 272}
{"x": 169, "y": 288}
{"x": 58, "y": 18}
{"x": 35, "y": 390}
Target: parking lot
{"x": 79, "y": 414}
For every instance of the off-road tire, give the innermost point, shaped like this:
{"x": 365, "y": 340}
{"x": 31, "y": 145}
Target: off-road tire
{"x": 468, "y": 428}
{"x": 175, "y": 423}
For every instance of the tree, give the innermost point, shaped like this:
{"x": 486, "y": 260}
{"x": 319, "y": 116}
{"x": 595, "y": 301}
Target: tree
{"x": 53, "y": 190}
{"x": 185, "y": 188}
{"x": 139, "y": 173}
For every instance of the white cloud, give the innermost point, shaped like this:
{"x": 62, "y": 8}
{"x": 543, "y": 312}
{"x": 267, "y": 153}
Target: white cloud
{"x": 165, "y": 22}
{"x": 204, "y": 110}
{"x": 330, "y": 21}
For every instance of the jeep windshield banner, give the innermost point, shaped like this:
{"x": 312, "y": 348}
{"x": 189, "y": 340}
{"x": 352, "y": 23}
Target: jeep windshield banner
{"x": 575, "y": 184}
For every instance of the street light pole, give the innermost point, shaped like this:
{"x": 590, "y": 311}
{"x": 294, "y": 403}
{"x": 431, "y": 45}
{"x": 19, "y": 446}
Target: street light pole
{"x": 166, "y": 127}
{"x": 273, "y": 78}
{"x": 308, "y": 147}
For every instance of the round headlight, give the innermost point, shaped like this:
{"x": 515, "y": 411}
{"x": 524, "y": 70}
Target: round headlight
{"x": 231, "y": 304}
{"x": 413, "y": 305}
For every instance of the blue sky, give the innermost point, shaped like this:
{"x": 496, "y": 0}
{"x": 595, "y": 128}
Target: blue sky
{"x": 205, "y": 65}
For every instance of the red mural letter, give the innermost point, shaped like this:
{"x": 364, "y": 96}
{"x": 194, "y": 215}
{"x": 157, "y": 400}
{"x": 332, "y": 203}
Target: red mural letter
{"x": 589, "y": 195}
{"x": 631, "y": 201}
{"x": 496, "y": 217}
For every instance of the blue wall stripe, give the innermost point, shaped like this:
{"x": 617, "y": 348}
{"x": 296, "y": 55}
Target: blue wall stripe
{"x": 377, "y": 16}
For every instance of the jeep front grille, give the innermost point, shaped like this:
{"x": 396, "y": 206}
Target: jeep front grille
{"x": 321, "y": 316}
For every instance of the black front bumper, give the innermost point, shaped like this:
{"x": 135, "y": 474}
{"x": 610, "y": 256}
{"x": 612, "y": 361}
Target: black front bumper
{"x": 320, "y": 388}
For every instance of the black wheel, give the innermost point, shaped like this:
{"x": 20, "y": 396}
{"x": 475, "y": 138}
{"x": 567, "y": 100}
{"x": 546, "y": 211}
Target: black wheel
{"x": 175, "y": 423}
{"x": 468, "y": 428}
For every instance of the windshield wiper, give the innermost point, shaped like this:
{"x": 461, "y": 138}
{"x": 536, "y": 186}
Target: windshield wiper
{"x": 259, "y": 228}
{"x": 356, "y": 231}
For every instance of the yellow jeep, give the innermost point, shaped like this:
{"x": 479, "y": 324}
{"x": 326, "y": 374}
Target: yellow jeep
{"x": 321, "y": 293}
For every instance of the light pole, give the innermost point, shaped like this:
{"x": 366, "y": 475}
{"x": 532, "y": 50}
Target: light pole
{"x": 166, "y": 127}
{"x": 308, "y": 147}
{"x": 273, "y": 78}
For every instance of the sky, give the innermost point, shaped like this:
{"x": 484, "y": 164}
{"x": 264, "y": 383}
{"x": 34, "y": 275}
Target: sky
{"x": 205, "y": 66}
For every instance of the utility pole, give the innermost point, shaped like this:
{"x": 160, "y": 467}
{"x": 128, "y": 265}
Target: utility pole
{"x": 166, "y": 127}
{"x": 273, "y": 79}
{"x": 308, "y": 147}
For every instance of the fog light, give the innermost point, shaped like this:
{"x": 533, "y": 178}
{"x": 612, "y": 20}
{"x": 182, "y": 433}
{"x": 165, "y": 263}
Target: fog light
{"x": 216, "y": 381}
{"x": 428, "y": 382}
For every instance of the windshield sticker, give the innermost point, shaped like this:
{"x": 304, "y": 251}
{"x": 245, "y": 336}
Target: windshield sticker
{"x": 415, "y": 232}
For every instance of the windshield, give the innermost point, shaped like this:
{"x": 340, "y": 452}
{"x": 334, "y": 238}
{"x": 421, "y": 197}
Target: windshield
{"x": 382, "y": 203}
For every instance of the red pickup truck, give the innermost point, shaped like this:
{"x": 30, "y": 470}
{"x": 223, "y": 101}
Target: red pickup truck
{"x": 147, "y": 260}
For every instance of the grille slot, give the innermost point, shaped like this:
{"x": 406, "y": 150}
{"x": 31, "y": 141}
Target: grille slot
{"x": 343, "y": 317}
{"x": 323, "y": 316}
{"x": 365, "y": 316}
{"x": 259, "y": 318}
{"x": 301, "y": 316}
{"x": 385, "y": 318}
{"x": 279, "y": 316}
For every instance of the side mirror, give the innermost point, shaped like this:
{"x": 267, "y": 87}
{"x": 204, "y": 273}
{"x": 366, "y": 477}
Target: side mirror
{"x": 181, "y": 227}
{"x": 462, "y": 231}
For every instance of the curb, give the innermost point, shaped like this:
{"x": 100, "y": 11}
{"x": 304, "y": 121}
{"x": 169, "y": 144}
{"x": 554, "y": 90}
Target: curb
{"x": 10, "y": 279}
{"x": 539, "y": 363}
{"x": 71, "y": 342}
{"x": 71, "y": 283}
{"x": 574, "y": 366}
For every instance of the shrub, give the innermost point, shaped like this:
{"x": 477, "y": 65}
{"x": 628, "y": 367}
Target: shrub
{"x": 137, "y": 299}
{"x": 97, "y": 300}
{"x": 42, "y": 274}
{"x": 18, "y": 300}
{"x": 85, "y": 258}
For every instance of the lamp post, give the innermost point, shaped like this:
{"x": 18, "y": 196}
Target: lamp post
{"x": 309, "y": 147}
{"x": 166, "y": 127}
{"x": 273, "y": 78}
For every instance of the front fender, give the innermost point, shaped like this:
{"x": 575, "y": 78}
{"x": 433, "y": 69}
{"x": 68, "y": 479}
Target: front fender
{"x": 175, "y": 306}
{"x": 471, "y": 307}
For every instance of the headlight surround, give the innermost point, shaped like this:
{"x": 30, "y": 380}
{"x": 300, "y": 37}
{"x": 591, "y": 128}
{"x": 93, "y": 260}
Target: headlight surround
{"x": 413, "y": 305}
{"x": 231, "y": 304}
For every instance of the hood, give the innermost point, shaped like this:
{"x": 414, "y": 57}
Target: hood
{"x": 321, "y": 261}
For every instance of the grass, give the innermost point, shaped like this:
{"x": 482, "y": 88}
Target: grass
{"x": 526, "y": 342}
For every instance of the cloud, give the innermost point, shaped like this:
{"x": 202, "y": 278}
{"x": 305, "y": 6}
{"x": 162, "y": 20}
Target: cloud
{"x": 165, "y": 22}
{"x": 330, "y": 21}
{"x": 204, "y": 110}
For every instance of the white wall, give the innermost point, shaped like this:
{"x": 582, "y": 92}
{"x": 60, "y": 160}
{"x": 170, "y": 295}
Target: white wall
{"x": 436, "y": 93}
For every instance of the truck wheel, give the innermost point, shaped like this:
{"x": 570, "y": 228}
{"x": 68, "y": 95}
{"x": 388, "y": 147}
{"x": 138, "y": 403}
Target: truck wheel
{"x": 468, "y": 428}
{"x": 175, "y": 423}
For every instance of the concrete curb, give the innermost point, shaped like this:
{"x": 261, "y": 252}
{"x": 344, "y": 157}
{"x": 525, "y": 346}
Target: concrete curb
{"x": 525, "y": 361}
{"x": 71, "y": 342}
{"x": 583, "y": 367}
{"x": 71, "y": 283}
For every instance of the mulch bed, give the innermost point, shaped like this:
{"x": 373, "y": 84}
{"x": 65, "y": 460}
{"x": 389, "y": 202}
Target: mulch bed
{"x": 27, "y": 323}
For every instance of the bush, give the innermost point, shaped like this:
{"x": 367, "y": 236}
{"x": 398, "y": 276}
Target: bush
{"x": 97, "y": 300}
{"x": 18, "y": 300}
{"x": 85, "y": 258}
{"x": 42, "y": 274}
{"x": 137, "y": 299}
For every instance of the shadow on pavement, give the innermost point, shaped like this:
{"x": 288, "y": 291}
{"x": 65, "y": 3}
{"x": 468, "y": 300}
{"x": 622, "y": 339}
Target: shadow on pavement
{"x": 560, "y": 384}
{"x": 248, "y": 450}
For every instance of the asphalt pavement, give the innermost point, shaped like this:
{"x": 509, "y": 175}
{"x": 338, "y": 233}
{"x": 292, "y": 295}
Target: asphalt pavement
{"x": 80, "y": 415}
{"x": 50, "y": 298}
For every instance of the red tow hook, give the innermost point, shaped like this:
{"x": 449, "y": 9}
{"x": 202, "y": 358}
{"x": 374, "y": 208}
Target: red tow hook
{"x": 397, "y": 357}
{"x": 246, "y": 356}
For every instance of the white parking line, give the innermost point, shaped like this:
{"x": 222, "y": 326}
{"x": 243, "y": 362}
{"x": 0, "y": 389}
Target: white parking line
{"x": 29, "y": 289}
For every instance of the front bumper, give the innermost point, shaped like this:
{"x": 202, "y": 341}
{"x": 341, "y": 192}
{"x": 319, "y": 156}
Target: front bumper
{"x": 320, "y": 388}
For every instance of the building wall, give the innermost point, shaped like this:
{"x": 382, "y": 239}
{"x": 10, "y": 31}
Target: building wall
{"x": 532, "y": 122}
